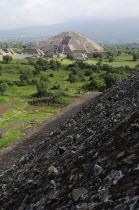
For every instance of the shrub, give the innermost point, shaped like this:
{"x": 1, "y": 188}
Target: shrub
{"x": 135, "y": 57}
{"x": 0, "y": 70}
{"x": 44, "y": 78}
{"x": 3, "y": 88}
{"x": 111, "y": 79}
{"x": 88, "y": 73}
{"x": 71, "y": 57}
{"x": 25, "y": 75}
{"x": 93, "y": 85}
{"x": 111, "y": 59}
{"x": 56, "y": 86}
{"x": 51, "y": 75}
{"x": 7, "y": 59}
{"x": 41, "y": 88}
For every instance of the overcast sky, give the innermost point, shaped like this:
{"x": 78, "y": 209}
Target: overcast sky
{"x": 22, "y": 13}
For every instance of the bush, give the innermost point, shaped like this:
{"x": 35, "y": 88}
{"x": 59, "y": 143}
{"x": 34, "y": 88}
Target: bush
{"x": 41, "y": 88}
{"x": 44, "y": 78}
{"x": 98, "y": 55}
{"x": 88, "y": 73}
{"x": 111, "y": 79}
{"x": 34, "y": 81}
{"x": 111, "y": 59}
{"x": 135, "y": 57}
{"x": 72, "y": 78}
{"x": 93, "y": 85}
{"x": 106, "y": 67}
{"x": 31, "y": 61}
{"x": 25, "y": 76}
{"x": 0, "y": 70}
{"x": 3, "y": 88}
{"x": 71, "y": 57}
{"x": 56, "y": 86}
{"x": 51, "y": 75}
{"x": 7, "y": 59}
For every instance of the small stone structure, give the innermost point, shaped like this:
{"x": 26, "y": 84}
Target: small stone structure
{"x": 6, "y": 51}
{"x": 33, "y": 52}
{"x": 69, "y": 43}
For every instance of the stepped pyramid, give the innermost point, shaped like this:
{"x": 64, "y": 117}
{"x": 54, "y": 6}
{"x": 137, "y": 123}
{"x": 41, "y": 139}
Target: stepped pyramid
{"x": 69, "y": 43}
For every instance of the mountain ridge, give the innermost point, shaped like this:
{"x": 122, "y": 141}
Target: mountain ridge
{"x": 105, "y": 31}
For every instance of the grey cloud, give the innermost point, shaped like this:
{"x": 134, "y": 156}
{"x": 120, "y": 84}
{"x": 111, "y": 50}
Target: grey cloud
{"x": 42, "y": 12}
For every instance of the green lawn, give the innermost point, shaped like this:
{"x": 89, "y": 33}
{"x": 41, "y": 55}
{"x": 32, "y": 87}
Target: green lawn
{"x": 123, "y": 60}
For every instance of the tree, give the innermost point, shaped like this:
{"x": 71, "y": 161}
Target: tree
{"x": 93, "y": 85}
{"x": 30, "y": 61}
{"x": 111, "y": 59}
{"x": 98, "y": 55}
{"x": 41, "y": 65}
{"x": 53, "y": 64}
{"x": 71, "y": 57}
{"x": 7, "y": 59}
{"x": 119, "y": 53}
{"x": 25, "y": 75}
{"x": 0, "y": 70}
{"x": 41, "y": 88}
{"x": 3, "y": 88}
{"x": 56, "y": 86}
{"x": 135, "y": 57}
{"x": 111, "y": 79}
{"x": 44, "y": 78}
{"x": 88, "y": 72}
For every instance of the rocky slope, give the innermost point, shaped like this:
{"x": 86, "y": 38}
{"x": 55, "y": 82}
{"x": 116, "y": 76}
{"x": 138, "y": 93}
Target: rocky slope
{"x": 91, "y": 162}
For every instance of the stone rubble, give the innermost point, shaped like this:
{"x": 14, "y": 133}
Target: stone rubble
{"x": 91, "y": 162}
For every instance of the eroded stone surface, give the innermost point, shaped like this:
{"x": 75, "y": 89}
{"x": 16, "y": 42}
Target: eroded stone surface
{"x": 91, "y": 137}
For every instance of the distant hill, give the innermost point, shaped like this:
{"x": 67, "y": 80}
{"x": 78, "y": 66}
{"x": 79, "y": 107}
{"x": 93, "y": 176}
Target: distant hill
{"x": 101, "y": 31}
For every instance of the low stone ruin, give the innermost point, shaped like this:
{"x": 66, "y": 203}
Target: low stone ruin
{"x": 6, "y": 51}
{"x": 33, "y": 52}
{"x": 90, "y": 163}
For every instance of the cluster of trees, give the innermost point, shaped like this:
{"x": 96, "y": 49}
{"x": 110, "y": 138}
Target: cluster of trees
{"x": 110, "y": 55}
{"x": 109, "y": 79}
{"x": 78, "y": 72}
{"x": 17, "y": 45}
{"x": 111, "y": 76}
{"x": 78, "y": 66}
{"x": 44, "y": 65}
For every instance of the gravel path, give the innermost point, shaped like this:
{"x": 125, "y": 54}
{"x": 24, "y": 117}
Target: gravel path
{"x": 25, "y": 144}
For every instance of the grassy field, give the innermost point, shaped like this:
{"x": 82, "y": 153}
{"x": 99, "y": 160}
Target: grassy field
{"x": 123, "y": 60}
{"x": 23, "y": 116}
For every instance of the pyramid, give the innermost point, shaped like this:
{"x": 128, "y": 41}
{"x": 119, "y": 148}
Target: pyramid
{"x": 91, "y": 162}
{"x": 69, "y": 43}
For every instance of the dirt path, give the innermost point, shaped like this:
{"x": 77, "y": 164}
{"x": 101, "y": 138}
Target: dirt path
{"x": 5, "y": 107}
{"x": 24, "y": 145}
{"x": 4, "y": 130}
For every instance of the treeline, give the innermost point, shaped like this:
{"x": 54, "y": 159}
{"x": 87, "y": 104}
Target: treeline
{"x": 17, "y": 45}
{"x": 112, "y": 75}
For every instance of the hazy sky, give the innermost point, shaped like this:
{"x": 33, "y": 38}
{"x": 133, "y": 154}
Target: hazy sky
{"x": 22, "y": 13}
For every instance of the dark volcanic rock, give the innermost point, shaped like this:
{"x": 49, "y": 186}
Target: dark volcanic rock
{"x": 91, "y": 162}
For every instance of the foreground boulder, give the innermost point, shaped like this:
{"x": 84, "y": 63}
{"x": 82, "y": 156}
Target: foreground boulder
{"x": 98, "y": 167}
